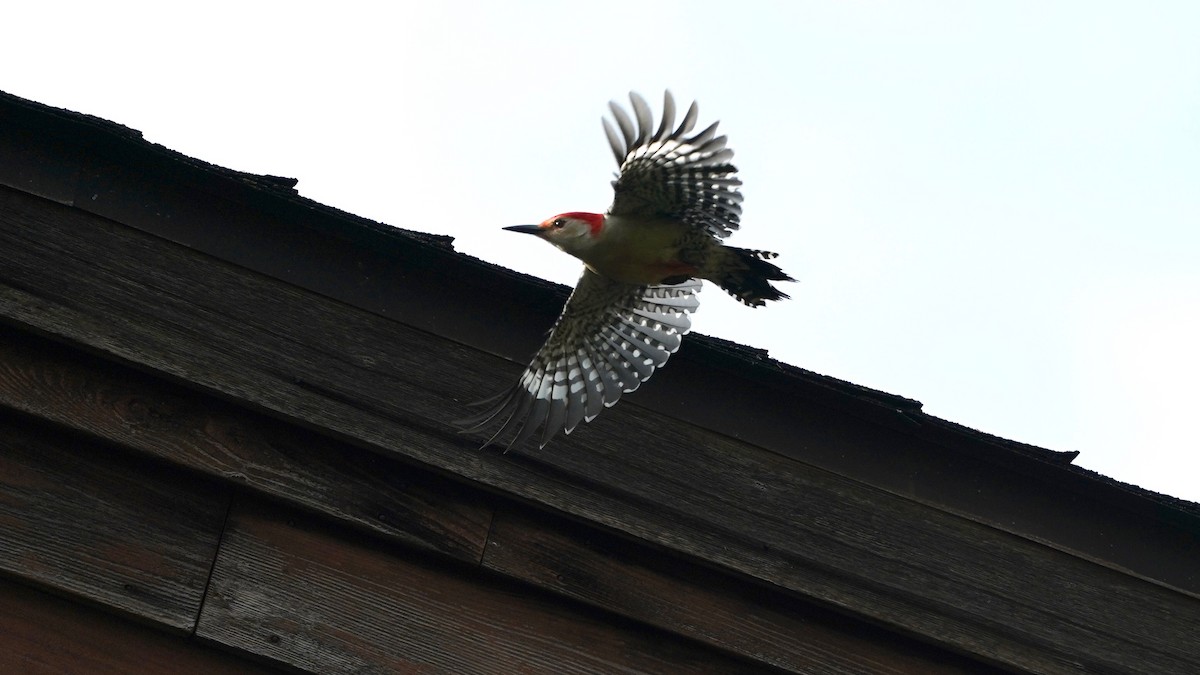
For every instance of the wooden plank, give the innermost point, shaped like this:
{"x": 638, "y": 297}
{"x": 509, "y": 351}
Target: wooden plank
{"x": 392, "y": 388}
{"x": 41, "y": 634}
{"x": 38, "y": 163}
{"x": 286, "y": 588}
{"x": 81, "y": 518}
{"x": 120, "y": 405}
{"x": 684, "y": 598}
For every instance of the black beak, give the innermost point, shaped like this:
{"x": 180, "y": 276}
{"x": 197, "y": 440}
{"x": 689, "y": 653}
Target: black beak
{"x": 527, "y": 229}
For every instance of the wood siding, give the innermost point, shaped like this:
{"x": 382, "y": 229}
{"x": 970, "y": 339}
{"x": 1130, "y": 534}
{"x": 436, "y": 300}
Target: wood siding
{"x": 385, "y": 387}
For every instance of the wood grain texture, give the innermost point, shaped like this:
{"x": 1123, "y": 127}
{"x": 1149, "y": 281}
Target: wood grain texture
{"x": 292, "y": 591}
{"x": 79, "y": 517}
{"x": 392, "y": 388}
{"x": 41, "y": 634}
{"x": 202, "y": 433}
{"x": 672, "y": 594}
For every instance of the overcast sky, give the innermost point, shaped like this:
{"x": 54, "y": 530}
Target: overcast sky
{"x": 993, "y": 208}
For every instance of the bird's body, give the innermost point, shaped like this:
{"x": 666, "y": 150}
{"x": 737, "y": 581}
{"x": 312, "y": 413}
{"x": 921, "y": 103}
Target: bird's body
{"x": 676, "y": 197}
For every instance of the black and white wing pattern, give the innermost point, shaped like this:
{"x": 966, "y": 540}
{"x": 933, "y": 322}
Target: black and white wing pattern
{"x": 608, "y": 340}
{"x": 667, "y": 174}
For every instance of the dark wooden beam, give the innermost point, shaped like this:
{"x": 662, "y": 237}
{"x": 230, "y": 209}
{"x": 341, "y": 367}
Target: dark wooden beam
{"x": 41, "y": 634}
{"x": 697, "y": 602}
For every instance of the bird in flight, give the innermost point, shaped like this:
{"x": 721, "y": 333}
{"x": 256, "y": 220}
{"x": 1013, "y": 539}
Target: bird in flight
{"x": 676, "y": 197}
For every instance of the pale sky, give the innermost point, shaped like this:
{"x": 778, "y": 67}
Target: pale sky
{"x": 992, "y": 207}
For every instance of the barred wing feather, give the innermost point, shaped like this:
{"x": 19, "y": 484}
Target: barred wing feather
{"x": 609, "y": 339}
{"x": 665, "y": 173}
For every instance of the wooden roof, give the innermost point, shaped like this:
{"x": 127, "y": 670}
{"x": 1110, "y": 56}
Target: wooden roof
{"x": 227, "y": 429}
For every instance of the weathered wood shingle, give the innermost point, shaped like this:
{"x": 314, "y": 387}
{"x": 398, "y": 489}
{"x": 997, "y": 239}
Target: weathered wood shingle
{"x": 83, "y": 517}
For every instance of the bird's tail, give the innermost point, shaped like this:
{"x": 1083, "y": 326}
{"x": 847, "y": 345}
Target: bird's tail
{"x": 747, "y": 275}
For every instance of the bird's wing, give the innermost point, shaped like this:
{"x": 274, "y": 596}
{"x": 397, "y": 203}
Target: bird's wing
{"x": 608, "y": 340}
{"x": 667, "y": 174}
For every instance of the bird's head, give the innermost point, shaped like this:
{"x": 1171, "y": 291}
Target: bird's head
{"x": 572, "y": 232}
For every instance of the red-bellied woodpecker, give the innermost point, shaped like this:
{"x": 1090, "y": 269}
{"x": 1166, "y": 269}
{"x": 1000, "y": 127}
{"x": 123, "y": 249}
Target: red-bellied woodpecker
{"x": 675, "y": 198}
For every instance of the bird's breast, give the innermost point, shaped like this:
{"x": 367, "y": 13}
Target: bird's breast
{"x": 645, "y": 252}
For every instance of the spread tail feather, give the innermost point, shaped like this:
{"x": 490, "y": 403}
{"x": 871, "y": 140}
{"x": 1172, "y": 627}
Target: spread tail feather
{"x": 747, "y": 275}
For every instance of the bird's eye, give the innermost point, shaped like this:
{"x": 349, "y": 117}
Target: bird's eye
{"x": 559, "y": 222}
